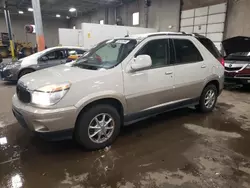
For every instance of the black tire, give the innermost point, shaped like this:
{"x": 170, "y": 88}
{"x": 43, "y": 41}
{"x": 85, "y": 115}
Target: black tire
{"x": 202, "y": 107}
{"x": 84, "y": 120}
{"x": 246, "y": 86}
{"x": 24, "y": 72}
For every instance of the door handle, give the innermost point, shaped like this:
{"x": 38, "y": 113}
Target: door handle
{"x": 203, "y": 66}
{"x": 168, "y": 73}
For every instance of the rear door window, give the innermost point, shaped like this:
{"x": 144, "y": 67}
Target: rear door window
{"x": 186, "y": 52}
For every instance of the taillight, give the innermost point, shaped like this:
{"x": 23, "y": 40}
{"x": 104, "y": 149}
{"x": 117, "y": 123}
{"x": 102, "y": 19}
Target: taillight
{"x": 222, "y": 61}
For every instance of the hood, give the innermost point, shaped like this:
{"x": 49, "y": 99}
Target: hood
{"x": 58, "y": 74}
{"x": 236, "y": 44}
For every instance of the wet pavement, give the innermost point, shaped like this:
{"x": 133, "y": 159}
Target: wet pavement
{"x": 183, "y": 149}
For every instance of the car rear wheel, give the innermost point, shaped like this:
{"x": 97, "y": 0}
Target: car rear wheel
{"x": 98, "y": 127}
{"x": 208, "y": 99}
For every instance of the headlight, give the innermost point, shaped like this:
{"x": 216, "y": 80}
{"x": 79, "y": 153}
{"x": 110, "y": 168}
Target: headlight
{"x": 13, "y": 65}
{"x": 49, "y": 95}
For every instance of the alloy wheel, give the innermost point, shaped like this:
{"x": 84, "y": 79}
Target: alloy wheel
{"x": 101, "y": 128}
{"x": 210, "y": 98}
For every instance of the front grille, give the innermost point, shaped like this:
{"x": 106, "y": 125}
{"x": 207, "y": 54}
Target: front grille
{"x": 243, "y": 76}
{"x": 23, "y": 94}
{"x": 232, "y": 69}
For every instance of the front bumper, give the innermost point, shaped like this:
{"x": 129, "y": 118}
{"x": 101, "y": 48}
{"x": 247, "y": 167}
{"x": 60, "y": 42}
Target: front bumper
{"x": 9, "y": 74}
{"x": 46, "y": 122}
{"x": 232, "y": 77}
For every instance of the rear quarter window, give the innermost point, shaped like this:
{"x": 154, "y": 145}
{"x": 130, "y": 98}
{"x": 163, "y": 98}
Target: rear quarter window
{"x": 210, "y": 47}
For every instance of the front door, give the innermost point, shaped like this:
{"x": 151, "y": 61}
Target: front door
{"x": 152, "y": 87}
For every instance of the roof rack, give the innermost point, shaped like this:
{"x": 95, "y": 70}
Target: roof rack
{"x": 198, "y": 35}
{"x": 169, "y": 33}
{"x": 176, "y": 33}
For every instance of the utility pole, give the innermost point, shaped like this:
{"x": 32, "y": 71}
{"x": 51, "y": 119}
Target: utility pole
{"x": 9, "y": 28}
{"x": 39, "y": 25}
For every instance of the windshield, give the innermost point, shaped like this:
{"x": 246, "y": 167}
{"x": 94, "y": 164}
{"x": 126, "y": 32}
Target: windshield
{"x": 106, "y": 54}
{"x": 244, "y": 56}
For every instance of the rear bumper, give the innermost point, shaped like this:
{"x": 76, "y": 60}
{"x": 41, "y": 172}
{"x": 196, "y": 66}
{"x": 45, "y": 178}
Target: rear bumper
{"x": 48, "y": 123}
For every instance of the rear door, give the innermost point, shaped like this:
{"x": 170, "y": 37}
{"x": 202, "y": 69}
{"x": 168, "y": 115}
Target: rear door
{"x": 189, "y": 67}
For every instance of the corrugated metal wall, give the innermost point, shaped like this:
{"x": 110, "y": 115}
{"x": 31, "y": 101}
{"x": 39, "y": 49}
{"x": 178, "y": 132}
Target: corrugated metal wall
{"x": 208, "y": 21}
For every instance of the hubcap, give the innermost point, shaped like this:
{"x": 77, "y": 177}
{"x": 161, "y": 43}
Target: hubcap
{"x": 210, "y": 98}
{"x": 101, "y": 128}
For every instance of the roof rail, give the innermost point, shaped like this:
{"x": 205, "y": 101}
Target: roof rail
{"x": 169, "y": 33}
{"x": 198, "y": 35}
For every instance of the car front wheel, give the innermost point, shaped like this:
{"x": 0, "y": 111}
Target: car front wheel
{"x": 98, "y": 127}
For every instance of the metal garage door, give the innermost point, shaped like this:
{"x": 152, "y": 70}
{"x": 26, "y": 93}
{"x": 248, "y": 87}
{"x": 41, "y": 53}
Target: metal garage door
{"x": 208, "y": 21}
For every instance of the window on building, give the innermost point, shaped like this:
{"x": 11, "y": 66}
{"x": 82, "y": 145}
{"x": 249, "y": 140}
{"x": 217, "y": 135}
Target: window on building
{"x": 186, "y": 52}
{"x": 101, "y": 22}
{"x": 136, "y": 18}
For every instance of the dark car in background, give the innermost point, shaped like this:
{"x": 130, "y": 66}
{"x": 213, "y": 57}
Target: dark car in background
{"x": 237, "y": 60}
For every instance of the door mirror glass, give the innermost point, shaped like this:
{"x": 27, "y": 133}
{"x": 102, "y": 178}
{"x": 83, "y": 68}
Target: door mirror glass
{"x": 44, "y": 58}
{"x": 141, "y": 62}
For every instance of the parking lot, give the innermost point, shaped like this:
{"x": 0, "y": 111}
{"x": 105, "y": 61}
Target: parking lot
{"x": 183, "y": 148}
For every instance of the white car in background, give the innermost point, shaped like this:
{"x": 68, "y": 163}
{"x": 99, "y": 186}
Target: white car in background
{"x": 40, "y": 60}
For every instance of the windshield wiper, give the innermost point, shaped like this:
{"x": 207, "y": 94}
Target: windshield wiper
{"x": 86, "y": 66}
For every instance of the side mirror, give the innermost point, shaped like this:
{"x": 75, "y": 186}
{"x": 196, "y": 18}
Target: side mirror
{"x": 141, "y": 62}
{"x": 44, "y": 58}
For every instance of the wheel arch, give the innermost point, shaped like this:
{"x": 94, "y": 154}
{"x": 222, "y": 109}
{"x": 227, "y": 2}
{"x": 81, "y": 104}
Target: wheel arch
{"x": 23, "y": 69}
{"x": 113, "y": 101}
{"x": 214, "y": 82}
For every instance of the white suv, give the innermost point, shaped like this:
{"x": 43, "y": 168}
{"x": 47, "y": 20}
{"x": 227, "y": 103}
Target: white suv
{"x": 118, "y": 82}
